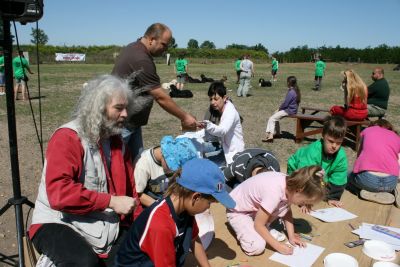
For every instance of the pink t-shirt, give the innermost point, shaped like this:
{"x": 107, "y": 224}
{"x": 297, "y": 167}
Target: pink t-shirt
{"x": 265, "y": 190}
{"x": 380, "y": 149}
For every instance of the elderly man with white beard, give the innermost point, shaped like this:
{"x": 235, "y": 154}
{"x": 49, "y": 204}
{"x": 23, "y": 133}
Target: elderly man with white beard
{"x": 87, "y": 196}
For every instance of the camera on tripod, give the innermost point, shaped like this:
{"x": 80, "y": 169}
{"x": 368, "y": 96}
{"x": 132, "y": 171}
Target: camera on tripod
{"x": 24, "y": 11}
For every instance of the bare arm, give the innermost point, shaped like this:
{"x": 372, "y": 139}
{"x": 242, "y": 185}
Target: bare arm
{"x": 199, "y": 253}
{"x": 293, "y": 238}
{"x": 169, "y": 105}
{"x": 146, "y": 200}
{"x": 261, "y": 219}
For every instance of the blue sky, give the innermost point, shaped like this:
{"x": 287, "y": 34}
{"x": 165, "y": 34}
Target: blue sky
{"x": 278, "y": 24}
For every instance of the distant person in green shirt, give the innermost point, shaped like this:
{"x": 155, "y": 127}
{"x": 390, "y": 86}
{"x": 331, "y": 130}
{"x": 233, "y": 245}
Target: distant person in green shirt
{"x": 275, "y": 67}
{"x": 2, "y": 91}
{"x": 329, "y": 154}
{"x": 19, "y": 64}
{"x": 320, "y": 67}
{"x": 237, "y": 69}
{"x": 181, "y": 69}
{"x": 378, "y": 94}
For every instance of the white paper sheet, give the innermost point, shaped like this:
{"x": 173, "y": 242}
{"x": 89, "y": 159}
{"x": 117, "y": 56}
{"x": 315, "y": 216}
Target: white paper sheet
{"x": 301, "y": 257}
{"x": 332, "y": 214}
{"x": 366, "y": 231}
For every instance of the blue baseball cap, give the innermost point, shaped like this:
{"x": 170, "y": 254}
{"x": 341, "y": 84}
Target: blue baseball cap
{"x": 204, "y": 176}
{"x": 177, "y": 151}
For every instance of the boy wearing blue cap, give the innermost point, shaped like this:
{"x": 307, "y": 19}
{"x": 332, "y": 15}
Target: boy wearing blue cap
{"x": 156, "y": 165}
{"x": 164, "y": 232}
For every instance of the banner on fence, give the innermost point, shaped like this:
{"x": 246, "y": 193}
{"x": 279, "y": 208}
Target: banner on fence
{"x": 70, "y": 57}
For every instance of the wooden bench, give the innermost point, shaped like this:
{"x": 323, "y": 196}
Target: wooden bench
{"x": 304, "y": 121}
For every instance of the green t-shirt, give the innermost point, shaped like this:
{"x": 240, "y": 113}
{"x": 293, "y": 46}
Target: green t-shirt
{"x": 180, "y": 65}
{"x": 18, "y": 68}
{"x": 2, "y": 64}
{"x": 320, "y": 68}
{"x": 275, "y": 64}
{"x": 237, "y": 64}
{"x": 335, "y": 167}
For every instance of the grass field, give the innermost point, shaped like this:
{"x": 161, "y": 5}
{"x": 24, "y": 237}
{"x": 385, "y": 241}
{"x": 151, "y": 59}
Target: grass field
{"x": 60, "y": 88}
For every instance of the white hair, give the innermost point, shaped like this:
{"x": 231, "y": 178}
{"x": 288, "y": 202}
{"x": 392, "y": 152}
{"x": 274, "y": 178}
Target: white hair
{"x": 91, "y": 107}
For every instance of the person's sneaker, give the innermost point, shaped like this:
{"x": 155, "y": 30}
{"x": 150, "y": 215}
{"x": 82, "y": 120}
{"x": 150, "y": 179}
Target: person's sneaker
{"x": 1, "y": 93}
{"x": 278, "y": 236}
{"x": 397, "y": 195}
{"x": 377, "y": 197}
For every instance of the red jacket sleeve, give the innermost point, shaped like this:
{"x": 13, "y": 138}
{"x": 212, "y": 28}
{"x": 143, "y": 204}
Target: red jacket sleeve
{"x": 158, "y": 240}
{"x": 64, "y": 158}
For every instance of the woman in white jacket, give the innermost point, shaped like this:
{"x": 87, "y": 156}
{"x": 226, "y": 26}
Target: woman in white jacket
{"x": 229, "y": 130}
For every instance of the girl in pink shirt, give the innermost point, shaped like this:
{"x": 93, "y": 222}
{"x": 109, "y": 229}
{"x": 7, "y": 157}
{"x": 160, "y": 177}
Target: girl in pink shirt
{"x": 266, "y": 196}
{"x": 376, "y": 170}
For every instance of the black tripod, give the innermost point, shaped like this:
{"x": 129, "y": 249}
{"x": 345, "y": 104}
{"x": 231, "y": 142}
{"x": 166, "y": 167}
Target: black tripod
{"x": 17, "y": 200}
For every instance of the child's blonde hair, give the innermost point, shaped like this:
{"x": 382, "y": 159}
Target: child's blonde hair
{"x": 307, "y": 181}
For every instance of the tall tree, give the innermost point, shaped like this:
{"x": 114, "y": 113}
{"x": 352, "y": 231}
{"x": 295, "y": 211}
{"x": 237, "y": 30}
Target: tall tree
{"x": 207, "y": 44}
{"x": 39, "y": 36}
{"x": 172, "y": 43}
{"x": 193, "y": 44}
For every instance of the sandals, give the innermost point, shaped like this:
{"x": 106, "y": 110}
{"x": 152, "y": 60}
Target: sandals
{"x": 269, "y": 138}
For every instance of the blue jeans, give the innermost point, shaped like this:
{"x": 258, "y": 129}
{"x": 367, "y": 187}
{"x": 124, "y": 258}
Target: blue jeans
{"x": 134, "y": 141}
{"x": 373, "y": 183}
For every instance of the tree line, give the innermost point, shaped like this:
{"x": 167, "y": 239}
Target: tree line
{"x": 380, "y": 54}
{"x": 207, "y": 52}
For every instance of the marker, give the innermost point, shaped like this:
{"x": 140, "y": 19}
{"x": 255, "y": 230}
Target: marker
{"x": 306, "y": 237}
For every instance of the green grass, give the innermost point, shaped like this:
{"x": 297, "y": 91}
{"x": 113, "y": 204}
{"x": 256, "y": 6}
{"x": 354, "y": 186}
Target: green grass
{"x": 61, "y": 85}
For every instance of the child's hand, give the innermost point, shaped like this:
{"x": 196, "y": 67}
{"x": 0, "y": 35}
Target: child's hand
{"x": 306, "y": 209}
{"x": 296, "y": 241}
{"x": 335, "y": 203}
{"x": 284, "y": 249}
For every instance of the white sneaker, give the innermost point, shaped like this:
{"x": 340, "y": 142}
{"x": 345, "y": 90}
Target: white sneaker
{"x": 278, "y": 236}
{"x": 1, "y": 93}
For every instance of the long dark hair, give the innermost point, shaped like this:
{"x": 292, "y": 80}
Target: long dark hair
{"x": 292, "y": 83}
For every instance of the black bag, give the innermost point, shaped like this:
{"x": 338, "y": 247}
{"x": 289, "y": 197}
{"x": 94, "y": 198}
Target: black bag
{"x": 26, "y": 78}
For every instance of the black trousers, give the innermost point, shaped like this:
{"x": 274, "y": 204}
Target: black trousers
{"x": 65, "y": 247}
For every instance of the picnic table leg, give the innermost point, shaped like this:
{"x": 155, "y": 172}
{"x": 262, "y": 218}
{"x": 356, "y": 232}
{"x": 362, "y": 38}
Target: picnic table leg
{"x": 299, "y": 131}
{"x": 357, "y": 138}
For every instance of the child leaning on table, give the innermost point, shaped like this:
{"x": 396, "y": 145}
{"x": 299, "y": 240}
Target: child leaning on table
{"x": 267, "y": 196}
{"x": 329, "y": 154}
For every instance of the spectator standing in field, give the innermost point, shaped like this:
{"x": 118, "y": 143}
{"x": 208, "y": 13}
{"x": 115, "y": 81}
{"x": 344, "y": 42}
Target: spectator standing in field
{"x": 87, "y": 199}
{"x": 247, "y": 72}
{"x": 237, "y": 68}
{"x": 376, "y": 169}
{"x": 2, "y": 82}
{"x": 320, "y": 67}
{"x": 20, "y": 64}
{"x": 378, "y": 94}
{"x": 181, "y": 70}
{"x": 275, "y": 67}
{"x": 137, "y": 59}
{"x": 355, "y": 98}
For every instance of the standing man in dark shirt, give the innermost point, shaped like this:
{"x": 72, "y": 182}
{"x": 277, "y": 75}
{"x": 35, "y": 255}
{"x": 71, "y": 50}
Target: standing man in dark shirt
{"x": 137, "y": 59}
{"x": 378, "y": 94}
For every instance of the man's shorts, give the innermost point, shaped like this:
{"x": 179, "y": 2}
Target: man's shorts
{"x": 181, "y": 78}
{"x": 20, "y": 81}
{"x": 2, "y": 82}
